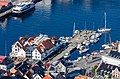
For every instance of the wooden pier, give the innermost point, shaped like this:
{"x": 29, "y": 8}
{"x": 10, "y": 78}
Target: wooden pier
{"x": 79, "y": 38}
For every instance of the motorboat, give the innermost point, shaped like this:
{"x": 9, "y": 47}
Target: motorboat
{"x": 86, "y": 42}
{"x": 97, "y": 35}
{"x": 22, "y": 8}
{"x": 83, "y": 49}
{"x": 79, "y": 46}
{"x": 66, "y": 55}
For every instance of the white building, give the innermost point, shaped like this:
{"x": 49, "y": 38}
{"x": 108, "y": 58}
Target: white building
{"x": 36, "y": 76}
{"x": 18, "y": 50}
{"x": 36, "y": 54}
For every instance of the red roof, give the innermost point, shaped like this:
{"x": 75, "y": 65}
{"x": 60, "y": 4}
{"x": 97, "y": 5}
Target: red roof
{"x": 31, "y": 40}
{"x": 47, "y": 44}
{"x": 53, "y": 37}
{"x": 38, "y": 48}
{"x": 4, "y": 3}
{"x": 47, "y": 76}
{"x": 2, "y": 58}
{"x": 47, "y": 64}
{"x": 1, "y": 6}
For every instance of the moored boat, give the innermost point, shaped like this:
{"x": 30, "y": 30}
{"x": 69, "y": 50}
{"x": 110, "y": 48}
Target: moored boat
{"x": 83, "y": 49}
{"x": 22, "y": 8}
{"x": 104, "y": 29}
{"x": 67, "y": 55}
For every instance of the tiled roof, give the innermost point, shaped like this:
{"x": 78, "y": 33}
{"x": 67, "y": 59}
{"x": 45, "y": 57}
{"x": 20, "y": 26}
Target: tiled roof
{"x": 114, "y": 54}
{"x": 2, "y": 71}
{"x": 47, "y": 44}
{"x": 53, "y": 37}
{"x": 2, "y": 58}
{"x": 30, "y": 39}
{"x": 18, "y": 76}
{"x": 7, "y": 61}
{"x": 26, "y": 47}
{"x": 19, "y": 45}
{"x": 13, "y": 70}
{"x": 47, "y": 76}
{"x": 23, "y": 67}
{"x": 39, "y": 71}
{"x": 108, "y": 67}
{"x": 6, "y": 77}
{"x": 4, "y": 3}
{"x": 38, "y": 48}
{"x": 81, "y": 77}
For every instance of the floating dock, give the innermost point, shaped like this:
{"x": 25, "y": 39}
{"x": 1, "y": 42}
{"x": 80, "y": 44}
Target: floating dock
{"x": 79, "y": 38}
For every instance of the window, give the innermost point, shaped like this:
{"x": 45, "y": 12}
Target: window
{"x": 118, "y": 65}
{"x": 15, "y": 49}
{"x": 35, "y": 50}
{"x": 111, "y": 67}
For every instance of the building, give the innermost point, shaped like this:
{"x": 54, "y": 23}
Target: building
{"x": 58, "y": 66}
{"x": 82, "y": 77}
{"x": 110, "y": 65}
{"x": 37, "y": 47}
{"x": 6, "y": 63}
{"x": 36, "y": 54}
{"x": 23, "y": 68}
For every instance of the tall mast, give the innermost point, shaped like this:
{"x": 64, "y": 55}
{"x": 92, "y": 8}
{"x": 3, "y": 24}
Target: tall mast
{"x": 93, "y": 25}
{"x": 105, "y": 38}
{"x": 5, "y": 48}
{"x": 85, "y": 25}
{"x": 74, "y": 28}
{"x": 105, "y": 19}
{"x": 110, "y": 38}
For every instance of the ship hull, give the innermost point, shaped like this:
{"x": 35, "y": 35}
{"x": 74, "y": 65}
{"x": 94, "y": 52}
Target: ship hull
{"x": 23, "y": 13}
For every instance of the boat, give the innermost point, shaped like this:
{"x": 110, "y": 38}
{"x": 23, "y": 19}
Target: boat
{"x": 107, "y": 45}
{"x": 66, "y": 55}
{"x": 79, "y": 58}
{"x": 96, "y": 40}
{"x": 104, "y": 29}
{"x": 5, "y": 9}
{"x": 97, "y": 35}
{"x": 22, "y": 8}
{"x": 86, "y": 43}
{"x": 83, "y": 49}
{"x": 79, "y": 46}
{"x": 75, "y": 32}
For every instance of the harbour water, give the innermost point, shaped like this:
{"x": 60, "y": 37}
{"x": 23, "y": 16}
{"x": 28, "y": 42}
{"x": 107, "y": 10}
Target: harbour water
{"x": 57, "y": 17}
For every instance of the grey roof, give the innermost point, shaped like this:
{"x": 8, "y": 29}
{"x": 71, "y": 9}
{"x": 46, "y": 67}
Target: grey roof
{"x": 107, "y": 67}
{"x": 114, "y": 54}
{"x": 7, "y": 61}
{"x": 23, "y": 67}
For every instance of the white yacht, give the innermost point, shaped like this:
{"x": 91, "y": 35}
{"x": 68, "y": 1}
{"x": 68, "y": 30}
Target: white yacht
{"x": 83, "y": 49}
{"x": 22, "y": 8}
{"x": 104, "y": 29}
{"x": 97, "y": 35}
{"x": 86, "y": 43}
{"x": 66, "y": 55}
{"x": 106, "y": 46}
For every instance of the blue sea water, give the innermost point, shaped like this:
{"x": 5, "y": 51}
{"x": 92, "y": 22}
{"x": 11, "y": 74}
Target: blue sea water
{"x": 56, "y": 17}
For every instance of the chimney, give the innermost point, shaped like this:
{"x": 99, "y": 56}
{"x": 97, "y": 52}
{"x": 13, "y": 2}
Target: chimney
{"x": 119, "y": 47}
